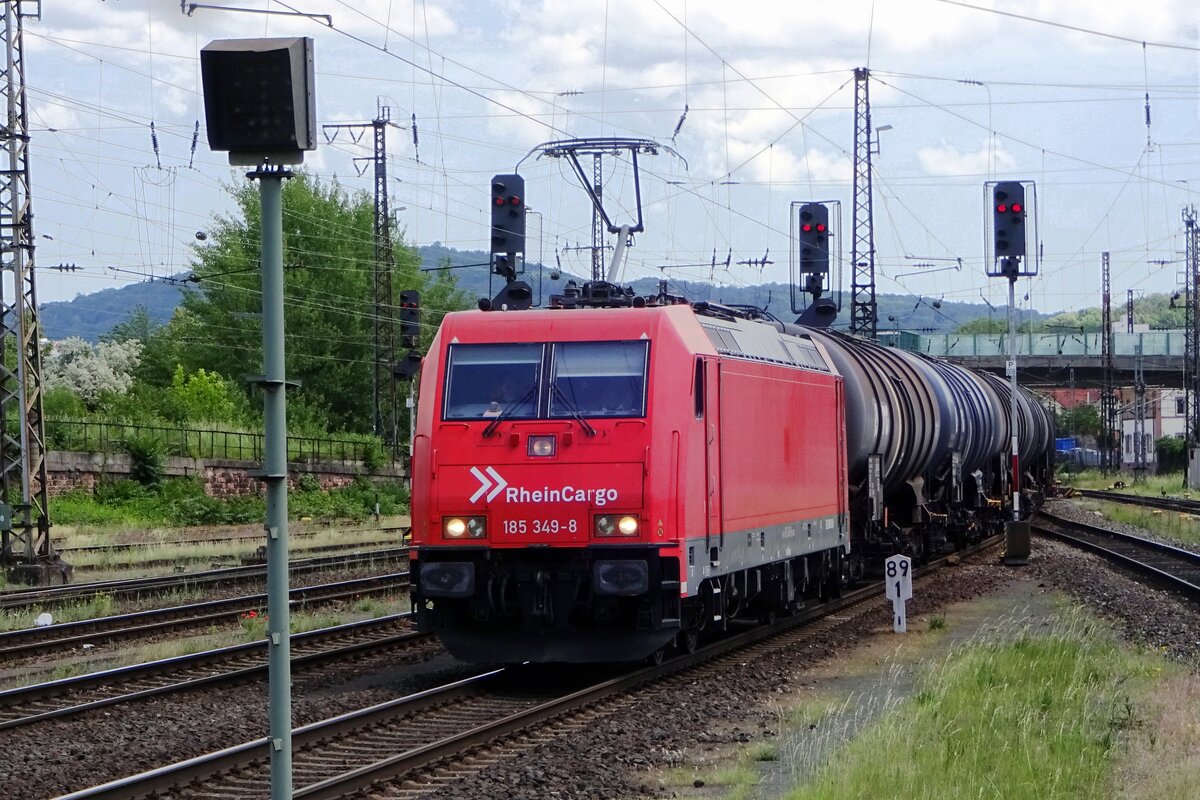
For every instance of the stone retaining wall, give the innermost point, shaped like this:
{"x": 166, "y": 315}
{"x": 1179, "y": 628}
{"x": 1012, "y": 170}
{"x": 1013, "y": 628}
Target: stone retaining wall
{"x": 222, "y": 478}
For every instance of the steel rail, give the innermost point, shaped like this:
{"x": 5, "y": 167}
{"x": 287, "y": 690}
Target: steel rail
{"x": 1169, "y": 566}
{"x": 160, "y": 583}
{"x": 27, "y": 641}
{"x": 27, "y": 705}
{"x": 392, "y": 722}
{"x": 1164, "y": 503}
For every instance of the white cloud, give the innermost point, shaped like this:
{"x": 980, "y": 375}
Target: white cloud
{"x": 946, "y": 160}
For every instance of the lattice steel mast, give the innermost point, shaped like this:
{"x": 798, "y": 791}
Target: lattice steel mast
{"x": 1191, "y": 375}
{"x": 862, "y": 250}
{"x": 23, "y": 459}
{"x": 385, "y": 416}
{"x": 1139, "y": 418}
{"x": 1108, "y": 401}
{"x": 598, "y": 227}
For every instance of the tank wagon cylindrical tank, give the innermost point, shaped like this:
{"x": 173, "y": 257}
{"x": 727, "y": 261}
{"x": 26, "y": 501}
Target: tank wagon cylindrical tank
{"x": 915, "y": 412}
{"x": 940, "y": 432}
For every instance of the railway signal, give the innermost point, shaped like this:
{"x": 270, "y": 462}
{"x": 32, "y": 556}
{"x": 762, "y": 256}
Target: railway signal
{"x": 814, "y": 238}
{"x": 508, "y": 215}
{"x": 410, "y": 317}
{"x": 1008, "y": 219}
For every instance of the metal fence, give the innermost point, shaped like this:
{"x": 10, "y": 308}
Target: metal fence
{"x": 111, "y": 437}
{"x": 1153, "y": 343}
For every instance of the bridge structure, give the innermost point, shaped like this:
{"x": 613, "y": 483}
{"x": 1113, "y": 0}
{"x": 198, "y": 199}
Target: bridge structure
{"x": 1058, "y": 359}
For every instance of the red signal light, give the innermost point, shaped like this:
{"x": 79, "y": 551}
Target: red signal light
{"x": 1016, "y": 207}
{"x": 806, "y": 227}
{"x": 499, "y": 201}
{"x": 1002, "y": 208}
{"x": 516, "y": 201}
{"x": 820, "y": 228}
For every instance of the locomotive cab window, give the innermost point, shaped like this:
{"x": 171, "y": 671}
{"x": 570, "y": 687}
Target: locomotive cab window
{"x": 598, "y": 379}
{"x": 487, "y": 380}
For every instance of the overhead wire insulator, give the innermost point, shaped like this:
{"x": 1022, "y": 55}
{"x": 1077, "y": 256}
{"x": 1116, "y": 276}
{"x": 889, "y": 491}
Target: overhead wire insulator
{"x": 154, "y": 141}
{"x": 195, "y": 138}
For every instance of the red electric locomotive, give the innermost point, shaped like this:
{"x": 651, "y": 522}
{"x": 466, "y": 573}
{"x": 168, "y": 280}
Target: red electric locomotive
{"x": 594, "y": 484}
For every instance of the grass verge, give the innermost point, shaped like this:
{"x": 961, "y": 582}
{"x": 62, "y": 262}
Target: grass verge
{"x": 1035, "y": 713}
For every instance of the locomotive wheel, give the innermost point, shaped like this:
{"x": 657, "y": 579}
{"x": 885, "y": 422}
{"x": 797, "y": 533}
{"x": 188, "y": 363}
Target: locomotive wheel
{"x": 657, "y": 657}
{"x": 833, "y": 578}
{"x": 688, "y": 640}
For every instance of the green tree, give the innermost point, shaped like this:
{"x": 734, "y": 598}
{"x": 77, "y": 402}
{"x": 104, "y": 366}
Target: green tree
{"x": 203, "y": 397}
{"x": 1172, "y": 454}
{"x": 990, "y": 324}
{"x": 1082, "y": 420}
{"x": 328, "y": 297}
{"x": 160, "y": 349}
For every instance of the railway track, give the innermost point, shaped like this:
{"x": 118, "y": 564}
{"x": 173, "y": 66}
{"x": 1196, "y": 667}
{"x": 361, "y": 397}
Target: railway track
{"x": 1164, "y": 503}
{"x": 137, "y": 587}
{"x": 1168, "y": 566}
{"x": 223, "y": 666}
{"x": 66, "y": 635}
{"x": 386, "y": 744}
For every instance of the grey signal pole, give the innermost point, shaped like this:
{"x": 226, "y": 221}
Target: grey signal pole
{"x": 279, "y": 668}
{"x": 263, "y": 127}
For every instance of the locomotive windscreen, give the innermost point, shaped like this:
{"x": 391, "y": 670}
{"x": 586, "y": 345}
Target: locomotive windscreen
{"x": 487, "y": 380}
{"x": 599, "y": 379}
{"x": 591, "y": 379}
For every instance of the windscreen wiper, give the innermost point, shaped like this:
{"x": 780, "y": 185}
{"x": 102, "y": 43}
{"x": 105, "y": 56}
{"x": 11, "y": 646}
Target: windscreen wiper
{"x": 503, "y": 415}
{"x": 574, "y": 409}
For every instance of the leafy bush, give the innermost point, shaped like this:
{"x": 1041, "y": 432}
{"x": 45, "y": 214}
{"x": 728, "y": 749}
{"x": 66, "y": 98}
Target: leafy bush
{"x": 62, "y": 402}
{"x": 203, "y": 396}
{"x": 120, "y": 490}
{"x": 374, "y": 456}
{"x": 1172, "y": 454}
{"x": 146, "y": 454}
{"x": 307, "y": 483}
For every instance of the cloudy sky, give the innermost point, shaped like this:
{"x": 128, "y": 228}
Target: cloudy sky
{"x": 1051, "y": 91}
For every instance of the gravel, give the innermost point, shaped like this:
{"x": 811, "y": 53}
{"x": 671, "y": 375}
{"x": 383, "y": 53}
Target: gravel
{"x": 60, "y": 756}
{"x": 609, "y": 758}
{"x": 610, "y": 753}
{"x": 1088, "y": 512}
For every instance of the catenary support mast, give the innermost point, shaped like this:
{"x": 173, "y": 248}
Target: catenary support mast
{"x": 862, "y": 250}
{"x": 22, "y": 459}
{"x": 1108, "y": 398}
{"x": 384, "y": 400}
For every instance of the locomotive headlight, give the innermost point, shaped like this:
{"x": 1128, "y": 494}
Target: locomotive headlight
{"x": 615, "y": 525}
{"x": 464, "y": 527}
{"x": 544, "y": 445}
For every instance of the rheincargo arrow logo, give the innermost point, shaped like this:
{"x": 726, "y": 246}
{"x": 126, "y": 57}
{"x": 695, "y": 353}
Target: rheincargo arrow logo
{"x": 495, "y": 483}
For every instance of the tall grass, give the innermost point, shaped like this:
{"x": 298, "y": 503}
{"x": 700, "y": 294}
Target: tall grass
{"x": 1174, "y": 525}
{"x": 1155, "y": 485}
{"x": 1021, "y": 712}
